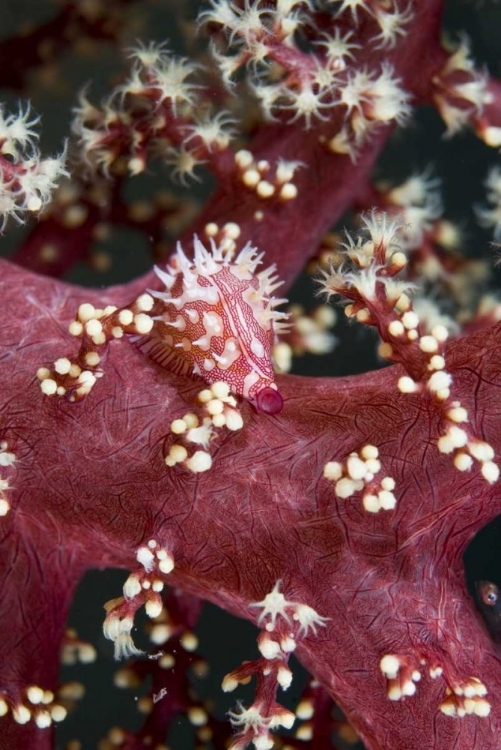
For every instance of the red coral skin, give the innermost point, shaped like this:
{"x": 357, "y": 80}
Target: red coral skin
{"x": 90, "y": 487}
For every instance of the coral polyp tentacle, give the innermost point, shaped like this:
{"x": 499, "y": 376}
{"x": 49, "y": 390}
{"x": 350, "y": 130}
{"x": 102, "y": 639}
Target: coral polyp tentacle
{"x": 217, "y": 319}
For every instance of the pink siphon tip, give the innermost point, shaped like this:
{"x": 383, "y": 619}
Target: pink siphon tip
{"x": 269, "y": 401}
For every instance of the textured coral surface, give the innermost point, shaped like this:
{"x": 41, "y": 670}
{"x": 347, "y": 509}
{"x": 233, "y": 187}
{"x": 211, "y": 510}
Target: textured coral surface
{"x": 91, "y": 487}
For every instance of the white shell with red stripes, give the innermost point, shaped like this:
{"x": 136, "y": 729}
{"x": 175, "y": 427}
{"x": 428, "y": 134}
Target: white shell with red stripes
{"x": 219, "y": 321}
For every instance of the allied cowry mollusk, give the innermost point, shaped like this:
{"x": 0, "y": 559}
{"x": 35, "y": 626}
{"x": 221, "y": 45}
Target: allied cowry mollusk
{"x": 219, "y": 321}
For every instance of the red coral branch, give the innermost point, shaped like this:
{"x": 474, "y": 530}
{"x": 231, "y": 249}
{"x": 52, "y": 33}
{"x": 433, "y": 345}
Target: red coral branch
{"x": 105, "y": 492}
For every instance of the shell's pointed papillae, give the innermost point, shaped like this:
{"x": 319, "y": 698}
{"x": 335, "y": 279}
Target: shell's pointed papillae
{"x": 219, "y": 321}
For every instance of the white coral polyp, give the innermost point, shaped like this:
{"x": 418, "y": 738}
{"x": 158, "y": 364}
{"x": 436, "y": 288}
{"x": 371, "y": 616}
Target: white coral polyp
{"x": 308, "y": 619}
{"x": 275, "y": 604}
{"x": 31, "y": 180}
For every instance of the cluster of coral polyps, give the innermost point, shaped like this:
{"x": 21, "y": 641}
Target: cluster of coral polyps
{"x": 144, "y": 422}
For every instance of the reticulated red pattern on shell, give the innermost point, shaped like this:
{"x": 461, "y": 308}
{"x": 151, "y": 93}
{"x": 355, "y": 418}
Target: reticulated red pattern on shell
{"x": 219, "y": 321}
